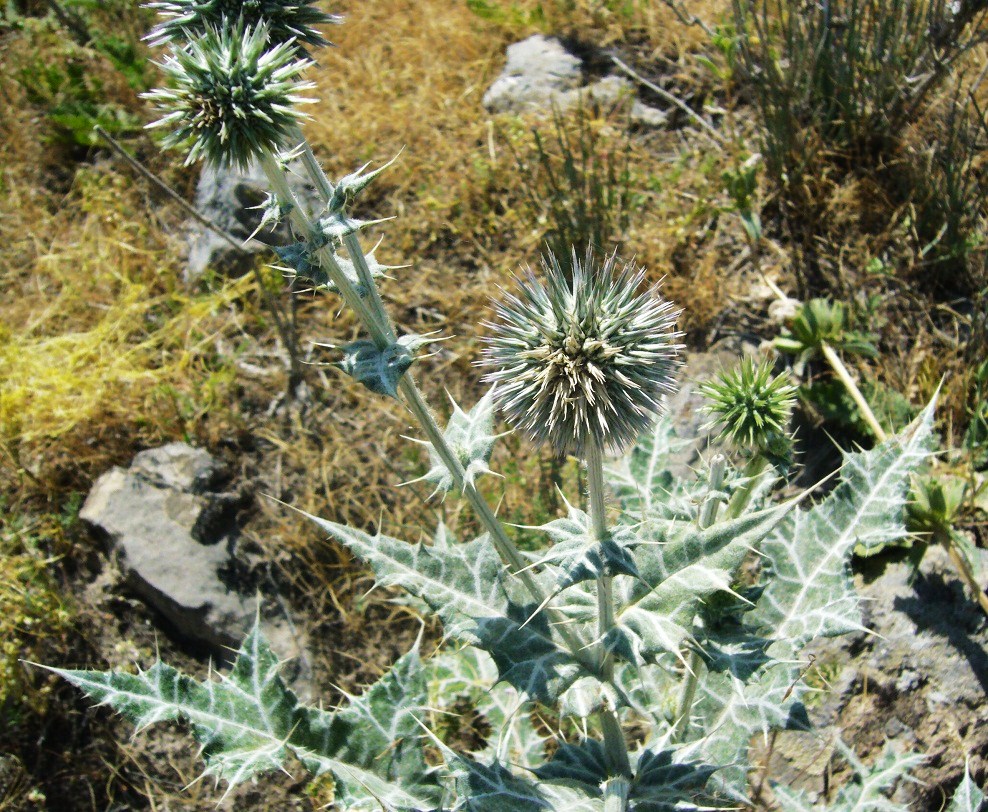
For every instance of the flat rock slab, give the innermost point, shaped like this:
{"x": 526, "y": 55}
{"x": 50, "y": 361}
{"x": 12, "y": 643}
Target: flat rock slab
{"x": 165, "y": 528}
{"x": 540, "y": 74}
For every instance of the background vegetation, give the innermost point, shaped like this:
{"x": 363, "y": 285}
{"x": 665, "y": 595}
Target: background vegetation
{"x": 871, "y": 192}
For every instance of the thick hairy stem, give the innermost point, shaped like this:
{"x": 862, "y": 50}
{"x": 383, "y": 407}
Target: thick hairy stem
{"x": 304, "y": 226}
{"x": 852, "y": 388}
{"x": 616, "y": 794}
{"x": 359, "y": 260}
{"x": 742, "y": 496}
{"x": 615, "y": 744}
{"x": 687, "y": 693}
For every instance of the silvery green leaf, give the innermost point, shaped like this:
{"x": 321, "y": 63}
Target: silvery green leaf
{"x": 494, "y": 788}
{"x": 380, "y": 370}
{"x": 337, "y": 225}
{"x": 377, "y": 270}
{"x": 729, "y": 711}
{"x": 586, "y": 696}
{"x": 348, "y": 188}
{"x": 680, "y": 569}
{"x": 866, "y": 793}
{"x": 810, "y": 594}
{"x": 967, "y": 796}
{"x": 577, "y": 556}
{"x": 652, "y": 690}
{"x": 642, "y": 481}
{"x": 298, "y": 259}
{"x": 471, "y": 437}
{"x": 381, "y": 761}
{"x": 464, "y": 584}
{"x": 471, "y": 674}
{"x": 249, "y": 721}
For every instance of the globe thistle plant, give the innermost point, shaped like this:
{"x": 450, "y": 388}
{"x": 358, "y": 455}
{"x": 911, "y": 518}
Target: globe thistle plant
{"x": 233, "y": 97}
{"x": 752, "y": 405}
{"x": 186, "y": 20}
{"x": 584, "y": 361}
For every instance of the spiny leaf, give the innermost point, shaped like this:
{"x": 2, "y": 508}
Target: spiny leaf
{"x": 810, "y": 594}
{"x": 249, "y": 720}
{"x": 471, "y": 674}
{"x": 380, "y": 370}
{"x": 494, "y": 788}
{"x": 584, "y": 763}
{"x": 471, "y": 437}
{"x": 967, "y": 796}
{"x": 465, "y": 585}
{"x": 577, "y": 556}
{"x": 669, "y": 778}
{"x": 866, "y": 793}
{"x": 729, "y": 711}
{"x": 678, "y": 571}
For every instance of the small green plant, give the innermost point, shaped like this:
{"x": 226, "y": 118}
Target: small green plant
{"x": 633, "y": 628}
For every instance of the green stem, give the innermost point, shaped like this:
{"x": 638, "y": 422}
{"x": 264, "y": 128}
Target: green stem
{"x": 687, "y": 693}
{"x": 616, "y": 794}
{"x": 742, "y": 496}
{"x": 376, "y": 322}
{"x": 359, "y": 260}
{"x": 615, "y": 744}
{"x": 963, "y": 567}
{"x": 852, "y": 388}
{"x": 304, "y": 226}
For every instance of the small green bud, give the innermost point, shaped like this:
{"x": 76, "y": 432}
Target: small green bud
{"x": 752, "y": 406}
{"x": 233, "y": 97}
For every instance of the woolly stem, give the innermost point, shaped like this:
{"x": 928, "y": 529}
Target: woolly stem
{"x": 616, "y": 794}
{"x": 615, "y": 744}
{"x": 852, "y": 389}
{"x": 742, "y": 496}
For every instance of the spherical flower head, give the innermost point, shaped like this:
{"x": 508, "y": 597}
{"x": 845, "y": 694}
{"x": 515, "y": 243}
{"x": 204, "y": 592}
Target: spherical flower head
{"x": 233, "y": 98}
{"x": 187, "y": 20}
{"x": 583, "y": 361}
{"x": 751, "y": 404}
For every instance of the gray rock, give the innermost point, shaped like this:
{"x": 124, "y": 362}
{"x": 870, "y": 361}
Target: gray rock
{"x": 920, "y": 678}
{"x": 540, "y": 74}
{"x": 229, "y": 198}
{"x": 538, "y": 69}
{"x": 152, "y": 516}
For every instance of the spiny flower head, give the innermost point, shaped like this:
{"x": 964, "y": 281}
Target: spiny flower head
{"x": 582, "y": 360}
{"x": 187, "y": 20}
{"x": 233, "y": 98}
{"x": 751, "y": 404}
